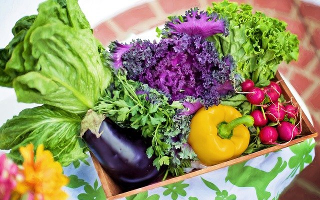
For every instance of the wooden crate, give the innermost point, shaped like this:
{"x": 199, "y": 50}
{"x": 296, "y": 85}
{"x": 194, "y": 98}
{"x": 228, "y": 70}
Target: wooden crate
{"x": 114, "y": 192}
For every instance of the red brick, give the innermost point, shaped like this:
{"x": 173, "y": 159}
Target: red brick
{"x": 316, "y": 37}
{"x": 297, "y": 192}
{"x": 316, "y": 124}
{"x": 209, "y": 2}
{"x": 310, "y": 10}
{"x": 282, "y": 6}
{"x": 170, "y": 6}
{"x": 314, "y": 100}
{"x": 300, "y": 82}
{"x": 294, "y": 26}
{"x": 316, "y": 70}
{"x": 156, "y": 23}
{"x": 134, "y": 16}
{"x": 283, "y": 69}
{"x": 305, "y": 56}
{"x": 104, "y": 33}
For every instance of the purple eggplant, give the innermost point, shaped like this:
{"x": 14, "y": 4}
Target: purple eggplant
{"x": 122, "y": 154}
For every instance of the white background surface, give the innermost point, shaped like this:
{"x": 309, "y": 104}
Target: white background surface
{"x": 96, "y": 11}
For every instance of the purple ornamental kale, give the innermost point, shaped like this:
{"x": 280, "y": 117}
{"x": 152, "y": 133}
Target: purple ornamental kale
{"x": 117, "y": 50}
{"x": 194, "y": 23}
{"x": 184, "y": 64}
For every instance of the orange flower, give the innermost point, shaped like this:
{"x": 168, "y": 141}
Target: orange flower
{"x": 43, "y": 177}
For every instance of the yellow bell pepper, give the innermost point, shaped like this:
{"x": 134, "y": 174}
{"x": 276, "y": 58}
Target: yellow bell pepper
{"x": 218, "y": 134}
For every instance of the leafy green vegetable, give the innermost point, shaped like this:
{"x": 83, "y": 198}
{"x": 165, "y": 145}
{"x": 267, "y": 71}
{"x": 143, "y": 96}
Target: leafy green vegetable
{"x": 257, "y": 43}
{"x": 19, "y": 31}
{"x": 235, "y": 100}
{"x": 59, "y": 62}
{"x": 133, "y": 104}
{"x": 57, "y": 129}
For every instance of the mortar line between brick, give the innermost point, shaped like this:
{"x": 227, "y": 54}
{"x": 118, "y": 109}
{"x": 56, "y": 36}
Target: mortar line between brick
{"x": 157, "y": 10}
{"x": 312, "y": 64}
{"x": 289, "y": 73}
{"x": 316, "y": 116}
{"x": 316, "y": 81}
{"x": 115, "y": 27}
{"x": 309, "y": 186}
{"x": 309, "y": 92}
{"x": 295, "y": 12}
{"x": 203, "y": 4}
{"x": 308, "y": 31}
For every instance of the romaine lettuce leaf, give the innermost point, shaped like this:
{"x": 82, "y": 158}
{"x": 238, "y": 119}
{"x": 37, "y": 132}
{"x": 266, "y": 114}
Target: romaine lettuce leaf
{"x": 57, "y": 129}
{"x": 59, "y": 61}
{"x": 19, "y": 31}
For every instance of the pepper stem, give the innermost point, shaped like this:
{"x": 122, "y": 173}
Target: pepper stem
{"x": 225, "y": 130}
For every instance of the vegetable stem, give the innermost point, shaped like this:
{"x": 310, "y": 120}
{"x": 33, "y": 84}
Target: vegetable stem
{"x": 225, "y": 129}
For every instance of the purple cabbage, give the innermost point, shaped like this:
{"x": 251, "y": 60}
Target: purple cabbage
{"x": 184, "y": 64}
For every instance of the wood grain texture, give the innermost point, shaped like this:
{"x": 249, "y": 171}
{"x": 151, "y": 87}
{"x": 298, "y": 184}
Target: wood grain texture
{"x": 113, "y": 192}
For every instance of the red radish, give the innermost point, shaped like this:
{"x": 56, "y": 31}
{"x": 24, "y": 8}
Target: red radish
{"x": 256, "y": 96}
{"x": 275, "y": 86}
{"x": 272, "y": 94}
{"x": 275, "y": 112}
{"x": 247, "y": 85}
{"x": 259, "y": 118}
{"x": 273, "y": 91}
{"x": 287, "y": 131}
{"x": 268, "y": 135}
{"x": 291, "y": 110}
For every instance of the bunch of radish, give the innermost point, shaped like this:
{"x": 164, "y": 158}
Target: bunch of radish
{"x": 275, "y": 120}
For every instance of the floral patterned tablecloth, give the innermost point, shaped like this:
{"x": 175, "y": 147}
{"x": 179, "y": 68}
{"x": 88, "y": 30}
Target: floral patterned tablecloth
{"x": 264, "y": 177}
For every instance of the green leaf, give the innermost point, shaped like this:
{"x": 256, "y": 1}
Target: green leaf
{"x": 75, "y": 182}
{"x": 167, "y": 192}
{"x": 210, "y": 185}
{"x": 154, "y": 197}
{"x": 164, "y": 160}
{"x": 19, "y": 31}
{"x": 56, "y": 129}
{"x": 144, "y": 120}
{"x": 85, "y": 162}
{"x": 154, "y": 121}
{"x": 175, "y": 189}
{"x": 123, "y": 112}
{"x": 76, "y": 164}
{"x": 96, "y": 193}
{"x": 96, "y": 185}
{"x": 174, "y": 196}
{"x": 235, "y": 100}
{"x": 153, "y": 108}
{"x": 150, "y": 152}
{"x": 302, "y": 155}
{"x": 59, "y": 62}
{"x": 177, "y": 105}
{"x": 143, "y": 196}
{"x": 120, "y": 103}
{"x": 257, "y": 43}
